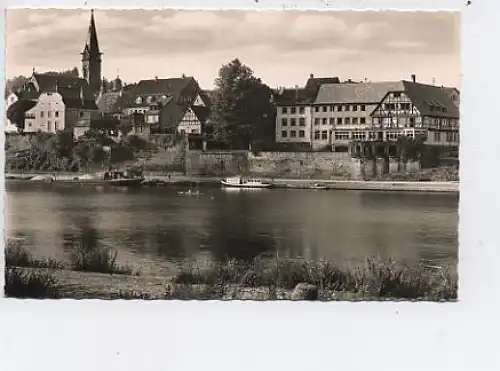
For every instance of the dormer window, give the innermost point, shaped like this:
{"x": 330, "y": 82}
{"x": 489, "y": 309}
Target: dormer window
{"x": 138, "y": 100}
{"x": 163, "y": 97}
{"x": 150, "y": 99}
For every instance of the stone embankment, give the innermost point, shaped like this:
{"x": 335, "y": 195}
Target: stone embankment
{"x": 287, "y": 183}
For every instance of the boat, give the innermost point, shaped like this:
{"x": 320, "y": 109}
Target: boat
{"x": 190, "y": 193}
{"x": 318, "y": 186}
{"x": 240, "y": 182}
{"x": 123, "y": 178}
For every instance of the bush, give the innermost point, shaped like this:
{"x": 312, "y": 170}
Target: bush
{"x": 98, "y": 260}
{"x": 34, "y": 285}
{"x": 17, "y": 256}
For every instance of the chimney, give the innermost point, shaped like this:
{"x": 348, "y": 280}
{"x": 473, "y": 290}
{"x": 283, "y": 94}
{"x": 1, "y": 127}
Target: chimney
{"x": 349, "y": 81}
{"x": 413, "y": 78}
{"x": 296, "y": 92}
{"x": 156, "y": 78}
{"x": 311, "y": 76}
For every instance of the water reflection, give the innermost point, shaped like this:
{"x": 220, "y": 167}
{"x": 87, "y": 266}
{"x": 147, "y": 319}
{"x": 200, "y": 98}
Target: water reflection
{"x": 155, "y": 226}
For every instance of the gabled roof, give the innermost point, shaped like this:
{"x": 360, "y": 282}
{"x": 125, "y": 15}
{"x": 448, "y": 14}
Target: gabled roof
{"x": 316, "y": 82}
{"x": 176, "y": 87}
{"x": 202, "y": 113}
{"x": 372, "y": 92}
{"x": 172, "y": 114}
{"x": 298, "y": 96}
{"x": 431, "y": 100}
{"x": 46, "y": 82}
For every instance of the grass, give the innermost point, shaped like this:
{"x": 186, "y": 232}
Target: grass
{"x": 17, "y": 256}
{"x": 376, "y": 279}
{"x": 30, "y": 285}
{"x": 98, "y": 260}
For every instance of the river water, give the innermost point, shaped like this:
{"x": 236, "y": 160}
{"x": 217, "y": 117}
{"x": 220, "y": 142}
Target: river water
{"x": 153, "y": 228}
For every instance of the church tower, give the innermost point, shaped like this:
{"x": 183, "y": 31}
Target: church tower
{"x": 91, "y": 58}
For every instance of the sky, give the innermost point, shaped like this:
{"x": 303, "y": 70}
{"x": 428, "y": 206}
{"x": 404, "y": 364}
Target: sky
{"x": 282, "y": 47}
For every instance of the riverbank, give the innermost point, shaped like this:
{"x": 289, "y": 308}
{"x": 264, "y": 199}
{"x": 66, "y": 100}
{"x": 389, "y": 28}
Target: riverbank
{"x": 280, "y": 279}
{"x": 287, "y": 183}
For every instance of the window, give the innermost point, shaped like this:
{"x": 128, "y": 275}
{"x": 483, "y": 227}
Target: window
{"x": 57, "y": 113}
{"x": 316, "y": 109}
{"x": 347, "y": 107}
{"x": 41, "y": 113}
{"x": 284, "y": 110}
{"x": 359, "y": 135}
{"x": 332, "y": 108}
{"x": 347, "y": 120}
{"x": 325, "y": 121}
{"x": 301, "y": 110}
{"x": 302, "y": 121}
{"x": 49, "y": 113}
{"x": 355, "y": 121}
{"x": 339, "y": 107}
{"x": 363, "y": 120}
{"x": 56, "y": 125}
{"x": 324, "y": 135}
{"x": 371, "y": 135}
{"x": 341, "y": 135}
{"x": 316, "y": 121}
{"x": 81, "y": 113}
{"x": 332, "y": 121}
{"x": 316, "y": 134}
{"x": 138, "y": 100}
{"x": 396, "y": 95}
{"x": 412, "y": 122}
{"x": 293, "y": 122}
{"x": 363, "y": 108}
{"x": 150, "y": 99}
{"x": 437, "y": 136}
{"x": 293, "y": 134}
{"x": 355, "y": 107}
{"x": 293, "y": 110}
{"x": 283, "y": 134}
{"x": 302, "y": 133}
{"x": 339, "y": 121}
{"x": 284, "y": 122}
{"x": 49, "y": 126}
{"x": 325, "y": 108}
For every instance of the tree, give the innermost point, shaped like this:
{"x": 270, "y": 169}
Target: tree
{"x": 69, "y": 73}
{"x": 17, "y": 111}
{"x": 15, "y": 84}
{"x": 242, "y": 108}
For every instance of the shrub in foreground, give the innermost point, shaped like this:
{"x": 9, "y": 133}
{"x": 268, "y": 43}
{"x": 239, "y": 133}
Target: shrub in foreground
{"x": 17, "y": 255}
{"x": 98, "y": 260}
{"x": 33, "y": 285}
{"x": 375, "y": 279}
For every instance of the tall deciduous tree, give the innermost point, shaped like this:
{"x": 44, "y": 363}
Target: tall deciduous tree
{"x": 242, "y": 108}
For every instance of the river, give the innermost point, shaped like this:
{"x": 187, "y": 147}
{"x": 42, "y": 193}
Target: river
{"x": 154, "y": 228}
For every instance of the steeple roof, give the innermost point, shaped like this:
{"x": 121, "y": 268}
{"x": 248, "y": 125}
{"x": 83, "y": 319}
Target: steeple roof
{"x": 91, "y": 45}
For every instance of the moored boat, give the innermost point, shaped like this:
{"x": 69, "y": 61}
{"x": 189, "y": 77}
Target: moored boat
{"x": 123, "y": 178}
{"x": 240, "y": 182}
{"x": 318, "y": 186}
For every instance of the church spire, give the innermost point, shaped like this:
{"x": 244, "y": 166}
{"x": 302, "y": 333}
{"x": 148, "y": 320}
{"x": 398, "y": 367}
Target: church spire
{"x": 91, "y": 47}
{"x": 91, "y": 57}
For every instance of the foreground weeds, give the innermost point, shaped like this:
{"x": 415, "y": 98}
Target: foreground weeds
{"x": 376, "y": 279}
{"x": 30, "y": 285}
{"x": 18, "y": 256}
{"x": 98, "y": 260}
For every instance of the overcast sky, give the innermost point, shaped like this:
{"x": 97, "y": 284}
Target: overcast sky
{"x": 282, "y": 48}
